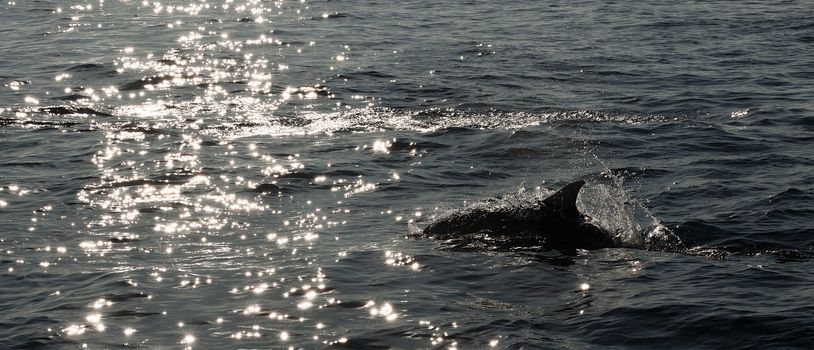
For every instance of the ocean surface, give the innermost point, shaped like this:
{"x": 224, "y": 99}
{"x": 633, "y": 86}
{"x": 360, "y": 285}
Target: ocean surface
{"x": 245, "y": 174}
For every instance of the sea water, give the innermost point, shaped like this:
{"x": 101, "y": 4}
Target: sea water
{"x": 245, "y": 174}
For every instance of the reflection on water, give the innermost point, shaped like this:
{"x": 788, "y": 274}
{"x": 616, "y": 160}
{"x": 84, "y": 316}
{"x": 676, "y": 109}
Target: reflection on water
{"x": 208, "y": 53}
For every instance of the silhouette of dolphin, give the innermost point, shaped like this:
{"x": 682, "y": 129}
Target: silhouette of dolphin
{"x": 553, "y": 223}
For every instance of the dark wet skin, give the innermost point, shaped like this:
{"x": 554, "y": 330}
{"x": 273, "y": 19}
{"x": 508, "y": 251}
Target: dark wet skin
{"x": 551, "y": 224}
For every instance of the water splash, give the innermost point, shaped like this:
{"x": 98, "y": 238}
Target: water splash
{"x": 611, "y": 206}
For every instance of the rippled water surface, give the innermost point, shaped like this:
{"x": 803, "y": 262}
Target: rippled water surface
{"x": 246, "y": 174}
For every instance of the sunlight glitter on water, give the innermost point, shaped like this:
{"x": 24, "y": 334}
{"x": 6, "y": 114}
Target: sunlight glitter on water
{"x": 199, "y": 65}
{"x": 398, "y": 259}
{"x": 385, "y": 311}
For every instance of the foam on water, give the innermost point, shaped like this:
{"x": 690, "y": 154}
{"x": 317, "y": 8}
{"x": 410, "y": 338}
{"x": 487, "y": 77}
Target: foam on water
{"x": 245, "y": 117}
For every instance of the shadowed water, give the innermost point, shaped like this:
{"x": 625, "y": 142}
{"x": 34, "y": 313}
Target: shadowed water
{"x": 246, "y": 174}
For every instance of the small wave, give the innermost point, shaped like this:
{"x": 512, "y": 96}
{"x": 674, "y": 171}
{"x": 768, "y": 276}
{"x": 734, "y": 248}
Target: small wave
{"x": 168, "y": 62}
{"x": 66, "y": 110}
{"x": 326, "y": 16}
{"x": 127, "y": 296}
{"x": 174, "y": 178}
{"x": 791, "y": 195}
{"x": 37, "y": 124}
{"x": 144, "y": 83}
{"x": 86, "y": 67}
{"x": 364, "y": 75}
{"x": 74, "y": 98}
{"x": 268, "y": 188}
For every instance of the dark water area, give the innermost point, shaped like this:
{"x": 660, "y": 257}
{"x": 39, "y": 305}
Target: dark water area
{"x": 247, "y": 174}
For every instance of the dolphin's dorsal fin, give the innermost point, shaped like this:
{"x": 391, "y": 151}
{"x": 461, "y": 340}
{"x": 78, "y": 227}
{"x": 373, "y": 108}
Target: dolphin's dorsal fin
{"x": 565, "y": 200}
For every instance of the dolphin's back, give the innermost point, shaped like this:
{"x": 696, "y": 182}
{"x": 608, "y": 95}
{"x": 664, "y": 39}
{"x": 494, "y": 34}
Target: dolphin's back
{"x": 481, "y": 220}
{"x": 554, "y": 223}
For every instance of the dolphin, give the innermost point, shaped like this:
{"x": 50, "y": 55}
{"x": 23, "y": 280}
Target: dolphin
{"x": 553, "y": 223}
